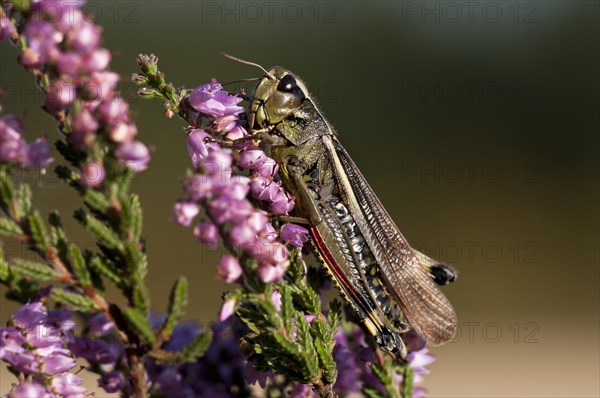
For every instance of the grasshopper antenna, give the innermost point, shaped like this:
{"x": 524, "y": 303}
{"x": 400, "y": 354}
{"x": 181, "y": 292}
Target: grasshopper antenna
{"x": 242, "y": 61}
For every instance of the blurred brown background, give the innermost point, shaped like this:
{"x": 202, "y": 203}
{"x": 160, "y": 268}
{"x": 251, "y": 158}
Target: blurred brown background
{"x": 476, "y": 123}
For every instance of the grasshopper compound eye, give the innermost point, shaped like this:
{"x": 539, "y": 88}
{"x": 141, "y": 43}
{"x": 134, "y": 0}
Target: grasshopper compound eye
{"x": 287, "y": 84}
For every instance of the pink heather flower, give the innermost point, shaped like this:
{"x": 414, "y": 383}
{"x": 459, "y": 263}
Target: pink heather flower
{"x": 184, "y": 212}
{"x": 270, "y": 252}
{"x": 224, "y": 124}
{"x": 135, "y": 154}
{"x": 269, "y": 233}
{"x": 60, "y": 95}
{"x": 6, "y": 28}
{"x": 227, "y": 310}
{"x": 30, "y": 390}
{"x": 282, "y": 203}
{"x": 97, "y": 60}
{"x": 237, "y": 187}
{"x": 29, "y": 315}
{"x": 269, "y": 168}
{"x": 198, "y": 147}
{"x": 85, "y": 37}
{"x": 212, "y": 101}
{"x": 92, "y": 174}
{"x": 225, "y": 209}
{"x": 69, "y": 63}
{"x": 57, "y": 363}
{"x": 229, "y": 269}
{"x": 199, "y": 187}
{"x": 268, "y": 273}
{"x": 99, "y": 86}
{"x": 242, "y": 236}
{"x": 207, "y": 233}
{"x": 419, "y": 360}
{"x": 276, "y": 299}
{"x": 218, "y": 164}
{"x": 83, "y": 122}
{"x": 111, "y": 382}
{"x": 258, "y": 221}
{"x": 68, "y": 385}
{"x": 252, "y": 159}
{"x": 294, "y": 234}
{"x": 236, "y": 133}
{"x": 114, "y": 109}
{"x": 37, "y": 153}
{"x": 122, "y": 132}
{"x": 264, "y": 188}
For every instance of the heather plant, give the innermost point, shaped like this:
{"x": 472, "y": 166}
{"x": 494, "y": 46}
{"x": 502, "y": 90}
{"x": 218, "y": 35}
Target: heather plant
{"x": 276, "y": 334}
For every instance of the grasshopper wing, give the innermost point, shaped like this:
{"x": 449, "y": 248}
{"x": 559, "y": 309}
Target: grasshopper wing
{"x": 425, "y": 307}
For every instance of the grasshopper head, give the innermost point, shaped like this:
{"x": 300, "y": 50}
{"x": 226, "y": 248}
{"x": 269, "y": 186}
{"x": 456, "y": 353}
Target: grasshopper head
{"x": 278, "y": 94}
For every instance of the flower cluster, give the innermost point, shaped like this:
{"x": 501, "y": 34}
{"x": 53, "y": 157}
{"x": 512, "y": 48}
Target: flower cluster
{"x": 35, "y": 344}
{"x": 221, "y": 187}
{"x": 14, "y": 148}
{"x": 66, "y": 46}
{"x": 354, "y": 359}
{"x": 214, "y": 375}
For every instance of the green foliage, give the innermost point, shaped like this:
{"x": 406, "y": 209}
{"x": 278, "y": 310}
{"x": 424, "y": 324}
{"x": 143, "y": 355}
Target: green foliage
{"x": 38, "y": 231}
{"x": 37, "y": 271}
{"x": 79, "y": 265}
{"x": 9, "y": 228}
{"x": 177, "y": 302}
{"x": 74, "y": 301}
{"x": 140, "y": 324}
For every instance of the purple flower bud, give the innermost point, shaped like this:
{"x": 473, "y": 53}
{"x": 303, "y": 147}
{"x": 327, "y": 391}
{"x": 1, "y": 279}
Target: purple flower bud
{"x": 184, "y": 212}
{"x": 84, "y": 122}
{"x": 42, "y": 38}
{"x": 57, "y": 363}
{"x": 60, "y": 95}
{"x": 135, "y": 154}
{"x": 270, "y": 273}
{"x": 30, "y": 390}
{"x": 207, "y": 233}
{"x": 111, "y": 382}
{"x": 229, "y": 269}
{"x": 199, "y": 187}
{"x": 97, "y": 60}
{"x": 252, "y": 159}
{"x": 294, "y": 234}
{"x": 68, "y": 385}
{"x": 11, "y": 127}
{"x": 227, "y": 310}
{"x": 114, "y": 109}
{"x": 92, "y": 174}
{"x": 242, "y": 236}
{"x": 122, "y": 132}
{"x": 68, "y": 63}
{"x": 37, "y": 153}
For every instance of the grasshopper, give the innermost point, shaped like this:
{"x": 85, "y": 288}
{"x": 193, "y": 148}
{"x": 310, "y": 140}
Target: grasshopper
{"x": 390, "y": 285}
